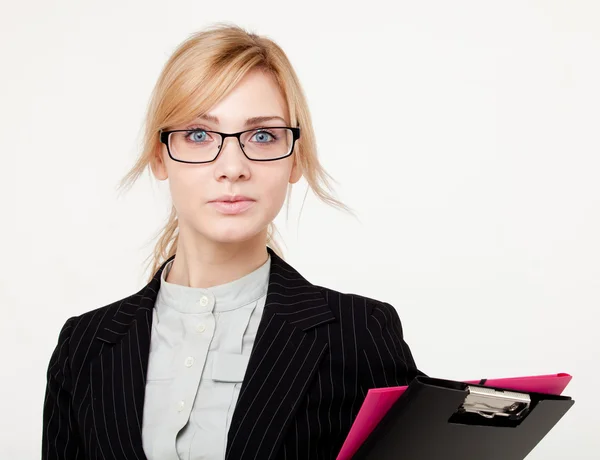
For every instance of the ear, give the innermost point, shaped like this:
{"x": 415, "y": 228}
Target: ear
{"x": 159, "y": 169}
{"x": 295, "y": 173}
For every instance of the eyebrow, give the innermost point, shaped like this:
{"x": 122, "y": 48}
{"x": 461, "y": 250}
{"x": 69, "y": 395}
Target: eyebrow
{"x": 249, "y": 122}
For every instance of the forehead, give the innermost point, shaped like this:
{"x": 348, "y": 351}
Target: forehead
{"x": 256, "y": 95}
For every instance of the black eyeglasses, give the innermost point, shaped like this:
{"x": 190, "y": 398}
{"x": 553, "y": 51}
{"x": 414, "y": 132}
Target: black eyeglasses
{"x": 203, "y": 146}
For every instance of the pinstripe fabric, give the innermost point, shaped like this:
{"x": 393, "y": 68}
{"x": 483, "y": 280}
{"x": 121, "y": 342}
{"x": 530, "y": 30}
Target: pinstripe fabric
{"x": 317, "y": 352}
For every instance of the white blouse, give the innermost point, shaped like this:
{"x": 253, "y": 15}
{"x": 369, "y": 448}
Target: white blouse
{"x": 200, "y": 344}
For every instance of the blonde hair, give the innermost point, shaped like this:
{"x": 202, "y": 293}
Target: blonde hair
{"x": 200, "y": 72}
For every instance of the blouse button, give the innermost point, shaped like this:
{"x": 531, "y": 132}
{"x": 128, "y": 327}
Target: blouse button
{"x": 204, "y": 301}
{"x": 180, "y": 406}
{"x": 189, "y": 361}
{"x": 201, "y": 328}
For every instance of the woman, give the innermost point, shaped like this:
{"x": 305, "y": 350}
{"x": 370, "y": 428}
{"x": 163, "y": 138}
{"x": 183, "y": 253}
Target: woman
{"x": 228, "y": 351}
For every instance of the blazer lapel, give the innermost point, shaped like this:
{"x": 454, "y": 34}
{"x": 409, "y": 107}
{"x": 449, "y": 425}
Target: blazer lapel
{"x": 118, "y": 376}
{"x": 286, "y": 354}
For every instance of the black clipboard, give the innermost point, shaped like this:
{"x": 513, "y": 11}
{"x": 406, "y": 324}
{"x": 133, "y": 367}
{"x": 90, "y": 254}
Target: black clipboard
{"x": 429, "y": 421}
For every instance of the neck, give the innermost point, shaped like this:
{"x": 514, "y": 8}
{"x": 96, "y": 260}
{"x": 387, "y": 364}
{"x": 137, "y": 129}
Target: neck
{"x": 206, "y": 264}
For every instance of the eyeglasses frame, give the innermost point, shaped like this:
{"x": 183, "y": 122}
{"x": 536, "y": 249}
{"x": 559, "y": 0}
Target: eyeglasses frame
{"x": 164, "y": 138}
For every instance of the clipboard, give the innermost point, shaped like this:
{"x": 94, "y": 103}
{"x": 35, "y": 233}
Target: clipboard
{"x": 380, "y": 400}
{"x": 445, "y": 419}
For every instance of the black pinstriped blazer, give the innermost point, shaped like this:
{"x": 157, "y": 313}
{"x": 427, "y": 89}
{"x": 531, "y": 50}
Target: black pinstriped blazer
{"x": 316, "y": 353}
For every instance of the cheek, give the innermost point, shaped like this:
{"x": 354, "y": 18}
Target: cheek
{"x": 185, "y": 187}
{"x": 275, "y": 180}
{"x": 275, "y": 191}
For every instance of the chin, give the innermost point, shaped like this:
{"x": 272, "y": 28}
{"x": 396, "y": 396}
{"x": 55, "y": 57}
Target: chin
{"x": 233, "y": 233}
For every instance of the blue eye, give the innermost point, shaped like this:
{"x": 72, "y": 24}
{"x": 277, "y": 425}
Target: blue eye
{"x": 264, "y": 137}
{"x": 197, "y": 136}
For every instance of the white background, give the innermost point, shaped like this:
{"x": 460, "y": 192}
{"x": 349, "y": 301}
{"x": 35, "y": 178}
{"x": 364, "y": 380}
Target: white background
{"x": 464, "y": 134}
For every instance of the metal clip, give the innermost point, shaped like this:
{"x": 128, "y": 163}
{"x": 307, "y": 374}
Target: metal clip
{"x": 489, "y": 403}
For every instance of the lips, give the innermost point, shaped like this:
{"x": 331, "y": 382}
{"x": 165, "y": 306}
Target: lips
{"x": 231, "y": 198}
{"x": 232, "y": 207}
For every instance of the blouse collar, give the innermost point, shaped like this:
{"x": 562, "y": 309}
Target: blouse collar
{"x": 224, "y": 297}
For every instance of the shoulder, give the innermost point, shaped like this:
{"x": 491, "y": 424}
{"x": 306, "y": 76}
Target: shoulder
{"x": 373, "y": 327}
{"x": 89, "y": 322}
{"x": 370, "y": 311}
{"x": 77, "y": 342}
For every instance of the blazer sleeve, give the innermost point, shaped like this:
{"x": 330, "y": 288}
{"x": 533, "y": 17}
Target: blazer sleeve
{"x": 387, "y": 358}
{"x": 60, "y": 439}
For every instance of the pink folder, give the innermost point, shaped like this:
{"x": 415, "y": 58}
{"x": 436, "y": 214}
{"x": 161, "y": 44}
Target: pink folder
{"x": 380, "y": 400}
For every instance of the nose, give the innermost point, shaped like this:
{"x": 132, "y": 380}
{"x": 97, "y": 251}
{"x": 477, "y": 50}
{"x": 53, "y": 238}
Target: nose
{"x": 231, "y": 163}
